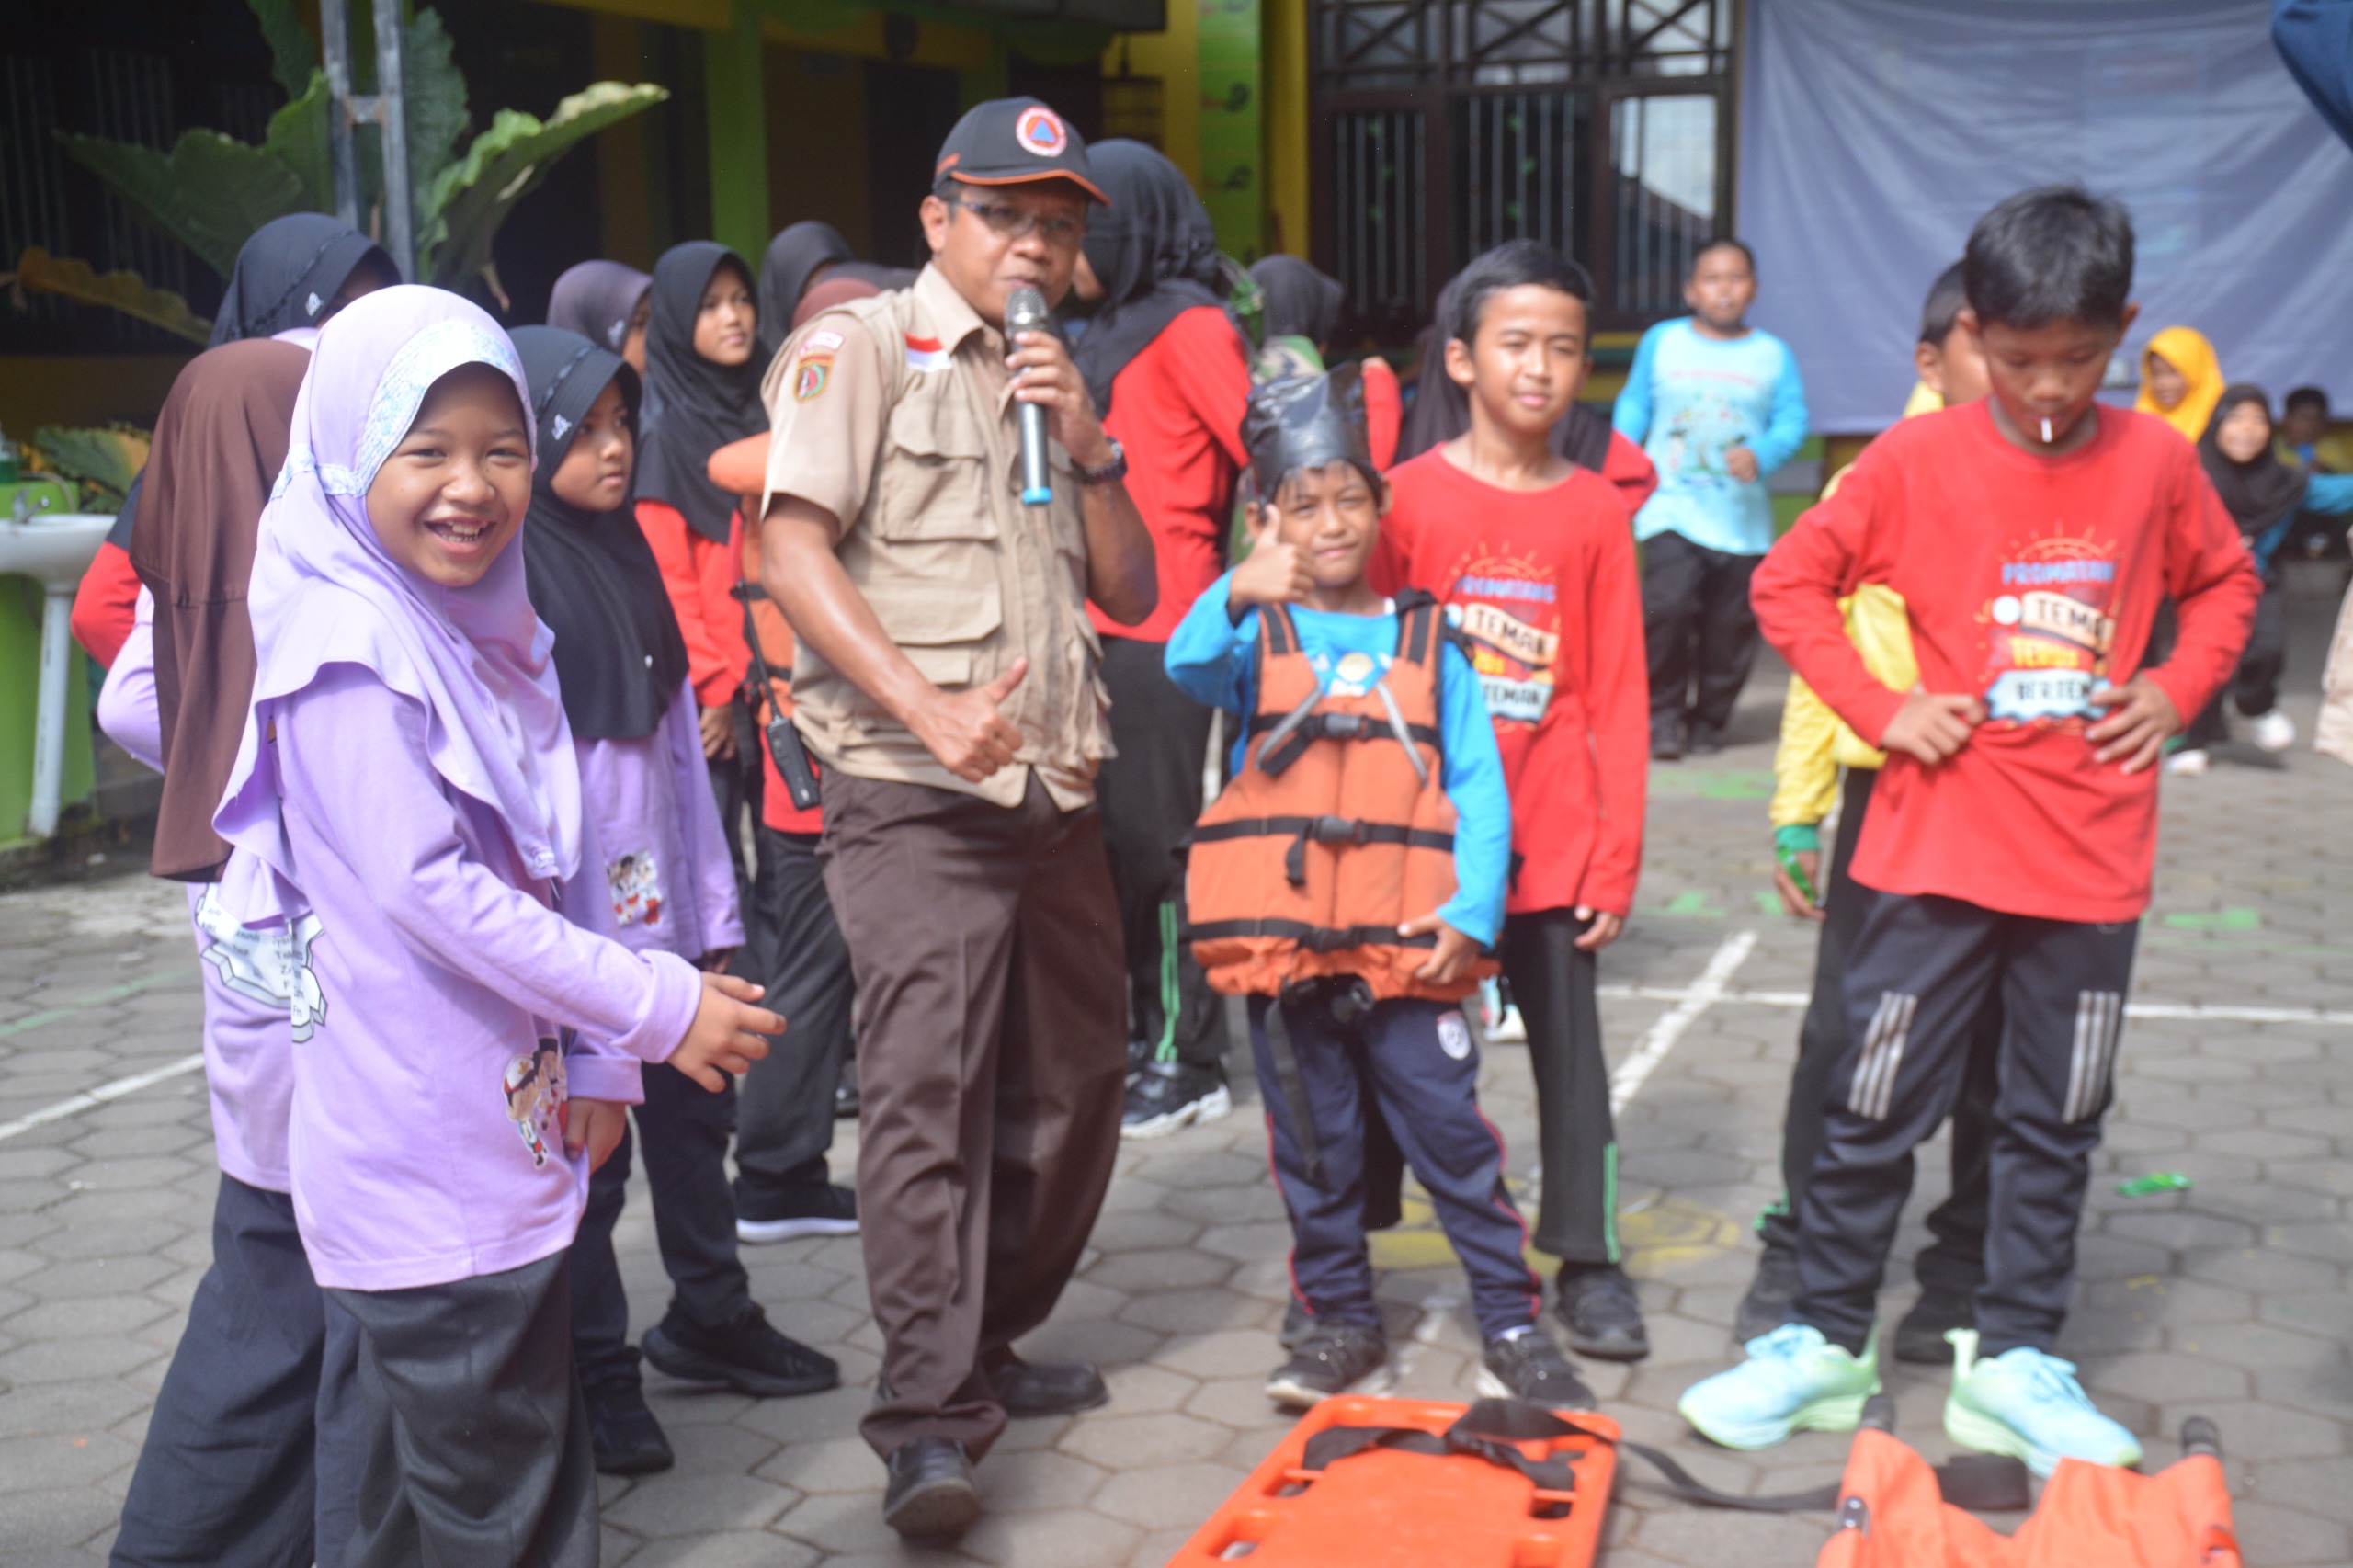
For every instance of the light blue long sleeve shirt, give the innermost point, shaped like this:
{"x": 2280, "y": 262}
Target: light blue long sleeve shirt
{"x": 2331, "y": 494}
{"x": 1687, "y": 400}
{"x": 1210, "y": 659}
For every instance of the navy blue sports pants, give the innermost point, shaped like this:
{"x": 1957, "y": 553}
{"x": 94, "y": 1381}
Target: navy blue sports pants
{"x": 1417, "y": 1059}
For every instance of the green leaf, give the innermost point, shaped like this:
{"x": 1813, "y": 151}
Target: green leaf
{"x": 40, "y": 273}
{"x": 434, "y": 102}
{"x": 505, "y": 164}
{"x": 300, "y": 138}
{"x": 101, "y": 461}
{"x": 209, "y": 193}
{"x": 292, "y": 52}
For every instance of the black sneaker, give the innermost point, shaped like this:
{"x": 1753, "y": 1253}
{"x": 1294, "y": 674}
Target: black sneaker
{"x": 1047, "y": 1388}
{"x": 1165, "y": 1099}
{"x": 1334, "y": 1358}
{"x": 796, "y": 1211}
{"x": 625, "y": 1436}
{"x": 1771, "y": 1295}
{"x": 1140, "y": 1056}
{"x": 1666, "y": 743}
{"x": 1920, "y": 1338}
{"x": 1529, "y": 1366}
{"x": 1298, "y": 1325}
{"x": 1604, "y": 1318}
{"x": 932, "y": 1496}
{"x": 1705, "y": 740}
{"x": 747, "y": 1355}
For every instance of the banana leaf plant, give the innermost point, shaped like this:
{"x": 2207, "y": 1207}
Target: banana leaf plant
{"x": 211, "y": 191}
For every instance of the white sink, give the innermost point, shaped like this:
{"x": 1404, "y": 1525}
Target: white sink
{"x": 54, "y": 549}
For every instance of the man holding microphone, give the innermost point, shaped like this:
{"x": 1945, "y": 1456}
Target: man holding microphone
{"x": 948, "y": 682}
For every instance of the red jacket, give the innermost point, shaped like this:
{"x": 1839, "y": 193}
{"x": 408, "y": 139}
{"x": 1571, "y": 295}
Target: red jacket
{"x": 1542, "y": 585}
{"x": 699, "y": 575}
{"x": 2027, "y": 581}
{"x": 106, "y": 604}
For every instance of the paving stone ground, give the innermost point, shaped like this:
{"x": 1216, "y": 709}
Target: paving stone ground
{"x": 2229, "y": 1299}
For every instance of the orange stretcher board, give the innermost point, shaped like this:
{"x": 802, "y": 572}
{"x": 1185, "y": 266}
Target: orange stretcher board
{"x": 1388, "y": 1508}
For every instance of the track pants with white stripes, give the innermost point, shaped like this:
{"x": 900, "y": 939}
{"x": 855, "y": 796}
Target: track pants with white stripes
{"x": 1914, "y": 980}
{"x": 1416, "y": 1061}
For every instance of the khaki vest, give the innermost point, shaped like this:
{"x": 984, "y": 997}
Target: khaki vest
{"x": 962, "y": 576}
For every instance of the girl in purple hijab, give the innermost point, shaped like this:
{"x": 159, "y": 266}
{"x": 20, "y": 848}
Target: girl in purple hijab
{"x": 408, "y": 806}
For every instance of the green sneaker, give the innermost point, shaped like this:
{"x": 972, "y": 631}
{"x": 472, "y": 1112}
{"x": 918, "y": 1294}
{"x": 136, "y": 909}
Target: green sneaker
{"x": 1794, "y": 1380}
{"x": 2028, "y": 1404}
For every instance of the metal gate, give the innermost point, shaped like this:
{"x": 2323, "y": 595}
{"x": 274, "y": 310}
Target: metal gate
{"x": 1443, "y": 127}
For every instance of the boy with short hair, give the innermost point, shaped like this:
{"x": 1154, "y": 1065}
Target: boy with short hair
{"x": 1718, "y": 405}
{"x": 2011, "y": 833}
{"x": 1816, "y": 745}
{"x": 1532, "y": 556}
{"x": 1345, "y": 882}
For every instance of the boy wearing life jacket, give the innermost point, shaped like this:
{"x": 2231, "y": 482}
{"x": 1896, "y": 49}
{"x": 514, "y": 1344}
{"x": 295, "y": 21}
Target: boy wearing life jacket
{"x": 1347, "y": 882}
{"x": 1534, "y": 561}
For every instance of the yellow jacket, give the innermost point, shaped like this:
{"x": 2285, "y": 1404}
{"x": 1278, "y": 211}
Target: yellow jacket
{"x": 1817, "y": 743}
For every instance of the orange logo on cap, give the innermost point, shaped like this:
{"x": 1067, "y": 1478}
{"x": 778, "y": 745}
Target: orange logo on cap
{"x": 1039, "y": 130}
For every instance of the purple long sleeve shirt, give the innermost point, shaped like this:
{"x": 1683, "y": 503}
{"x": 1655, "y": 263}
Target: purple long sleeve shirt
{"x": 248, "y": 1043}
{"x": 666, "y": 858}
{"x": 427, "y": 1140}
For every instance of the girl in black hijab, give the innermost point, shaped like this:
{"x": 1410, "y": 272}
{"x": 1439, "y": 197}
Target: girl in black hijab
{"x": 1301, "y": 302}
{"x": 798, "y": 254}
{"x": 296, "y": 271}
{"x": 1149, "y": 256}
{"x": 606, "y": 302}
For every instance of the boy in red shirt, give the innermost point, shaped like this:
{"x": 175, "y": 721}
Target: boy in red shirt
{"x": 1534, "y": 560}
{"x": 2011, "y": 833}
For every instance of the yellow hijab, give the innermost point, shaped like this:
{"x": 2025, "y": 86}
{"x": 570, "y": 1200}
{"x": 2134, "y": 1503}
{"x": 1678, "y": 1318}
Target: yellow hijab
{"x": 2187, "y": 350}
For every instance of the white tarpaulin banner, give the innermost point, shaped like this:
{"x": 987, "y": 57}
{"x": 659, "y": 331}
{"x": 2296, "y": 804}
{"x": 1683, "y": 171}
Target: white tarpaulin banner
{"x": 1873, "y": 134}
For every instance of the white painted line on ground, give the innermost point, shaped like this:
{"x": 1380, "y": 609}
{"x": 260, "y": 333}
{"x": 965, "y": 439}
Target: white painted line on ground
{"x": 1660, "y": 1037}
{"x": 2218, "y": 1011}
{"x": 77, "y": 1104}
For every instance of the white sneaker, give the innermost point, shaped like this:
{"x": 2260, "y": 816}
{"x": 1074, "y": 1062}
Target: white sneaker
{"x": 2273, "y": 731}
{"x": 2188, "y": 764}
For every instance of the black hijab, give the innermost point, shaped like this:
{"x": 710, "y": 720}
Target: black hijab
{"x": 1441, "y": 409}
{"x": 2260, "y": 494}
{"x": 794, "y": 258}
{"x": 1153, "y": 252}
{"x": 699, "y": 407}
{"x": 287, "y": 273}
{"x": 1301, "y": 302}
{"x": 592, "y": 579}
{"x": 595, "y": 300}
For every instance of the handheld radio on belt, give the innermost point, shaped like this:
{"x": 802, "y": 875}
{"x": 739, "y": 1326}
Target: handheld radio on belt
{"x": 785, "y": 746}
{"x": 1025, "y": 311}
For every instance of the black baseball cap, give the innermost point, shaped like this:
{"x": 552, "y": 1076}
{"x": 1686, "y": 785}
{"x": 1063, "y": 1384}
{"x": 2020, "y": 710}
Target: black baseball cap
{"x": 1015, "y": 141}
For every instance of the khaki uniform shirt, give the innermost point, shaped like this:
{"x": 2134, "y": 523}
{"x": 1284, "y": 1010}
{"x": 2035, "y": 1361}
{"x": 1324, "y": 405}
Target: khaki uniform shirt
{"x": 897, "y": 414}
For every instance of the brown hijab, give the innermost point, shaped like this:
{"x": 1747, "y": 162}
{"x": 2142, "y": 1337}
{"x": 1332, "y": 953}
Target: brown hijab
{"x": 219, "y": 444}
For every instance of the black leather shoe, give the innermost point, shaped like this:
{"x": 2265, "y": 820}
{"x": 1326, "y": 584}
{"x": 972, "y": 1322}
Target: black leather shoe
{"x": 1053, "y": 1389}
{"x": 1604, "y": 1318}
{"x": 932, "y": 1496}
{"x": 622, "y": 1433}
{"x": 1920, "y": 1336}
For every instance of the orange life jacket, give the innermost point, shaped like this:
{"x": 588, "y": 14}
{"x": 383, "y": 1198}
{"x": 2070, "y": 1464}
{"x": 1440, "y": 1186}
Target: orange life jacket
{"x": 1337, "y": 830}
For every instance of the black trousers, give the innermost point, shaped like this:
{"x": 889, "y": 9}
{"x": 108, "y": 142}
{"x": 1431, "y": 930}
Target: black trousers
{"x": 2255, "y": 687}
{"x": 1916, "y": 981}
{"x": 1151, "y": 796}
{"x": 1700, "y": 632}
{"x": 784, "y": 1113}
{"x": 1417, "y": 1059}
{"x": 683, "y": 1129}
{"x": 1554, "y": 984}
{"x": 1955, "y": 1261}
{"x": 256, "y": 1442}
{"x": 478, "y": 1448}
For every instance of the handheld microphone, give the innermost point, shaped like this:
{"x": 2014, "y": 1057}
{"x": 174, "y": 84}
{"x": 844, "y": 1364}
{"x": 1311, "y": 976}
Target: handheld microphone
{"x": 1025, "y": 311}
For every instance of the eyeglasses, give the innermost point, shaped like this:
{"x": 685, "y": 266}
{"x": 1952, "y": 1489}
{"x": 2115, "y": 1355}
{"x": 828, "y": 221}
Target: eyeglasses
{"x": 1009, "y": 222}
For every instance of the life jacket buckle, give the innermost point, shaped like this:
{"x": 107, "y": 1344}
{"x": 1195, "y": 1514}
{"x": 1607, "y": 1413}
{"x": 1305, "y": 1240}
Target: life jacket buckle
{"x": 1349, "y": 831}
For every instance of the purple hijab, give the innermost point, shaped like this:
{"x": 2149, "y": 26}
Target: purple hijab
{"x": 595, "y": 300}
{"x": 325, "y": 593}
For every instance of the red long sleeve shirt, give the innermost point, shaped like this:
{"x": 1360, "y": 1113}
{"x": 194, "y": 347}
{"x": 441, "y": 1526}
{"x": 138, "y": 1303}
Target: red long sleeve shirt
{"x": 1543, "y": 587}
{"x": 699, "y": 575}
{"x": 106, "y": 604}
{"x": 2026, "y": 579}
{"x": 1176, "y": 410}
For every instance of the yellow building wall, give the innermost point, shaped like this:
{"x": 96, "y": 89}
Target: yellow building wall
{"x": 1285, "y": 31}
{"x": 1171, "y": 56}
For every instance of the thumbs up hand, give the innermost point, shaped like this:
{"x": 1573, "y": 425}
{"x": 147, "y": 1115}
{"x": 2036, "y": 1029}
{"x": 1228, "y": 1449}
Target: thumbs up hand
{"x": 964, "y": 729}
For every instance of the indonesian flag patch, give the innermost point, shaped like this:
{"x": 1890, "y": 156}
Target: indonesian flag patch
{"x": 926, "y": 354}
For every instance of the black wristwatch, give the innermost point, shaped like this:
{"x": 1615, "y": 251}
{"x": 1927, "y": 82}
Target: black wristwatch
{"x": 1110, "y": 472}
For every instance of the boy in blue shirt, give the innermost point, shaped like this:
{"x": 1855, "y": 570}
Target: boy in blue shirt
{"x": 1366, "y": 825}
{"x": 1718, "y": 405}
